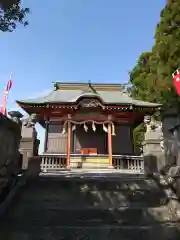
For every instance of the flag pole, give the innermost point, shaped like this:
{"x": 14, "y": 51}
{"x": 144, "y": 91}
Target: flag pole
{"x": 5, "y": 95}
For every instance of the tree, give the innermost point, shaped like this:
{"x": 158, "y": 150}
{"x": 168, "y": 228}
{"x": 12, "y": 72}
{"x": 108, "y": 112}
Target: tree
{"x": 151, "y": 77}
{"x": 138, "y": 137}
{"x": 11, "y": 14}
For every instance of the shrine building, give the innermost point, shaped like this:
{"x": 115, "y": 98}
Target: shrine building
{"x": 89, "y": 125}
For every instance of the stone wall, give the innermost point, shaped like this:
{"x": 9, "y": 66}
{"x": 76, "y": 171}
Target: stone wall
{"x": 171, "y": 131}
{"x": 162, "y": 141}
{"x": 18, "y": 151}
{"x": 10, "y": 159}
{"x": 162, "y": 149}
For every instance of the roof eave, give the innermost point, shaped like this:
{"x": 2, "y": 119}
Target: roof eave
{"x": 74, "y": 102}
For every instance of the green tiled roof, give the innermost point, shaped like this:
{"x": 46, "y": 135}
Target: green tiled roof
{"x": 71, "y": 96}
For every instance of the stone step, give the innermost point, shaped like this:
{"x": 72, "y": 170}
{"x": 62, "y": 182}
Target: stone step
{"x": 92, "y": 193}
{"x": 80, "y": 185}
{"x": 90, "y": 159}
{"x": 90, "y": 217}
{"x": 164, "y": 232}
{"x": 103, "y": 199}
{"x": 100, "y": 180}
{"x": 89, "y": 165}
{"x": 104, "y": 205}
{"x": 62, "y": 207}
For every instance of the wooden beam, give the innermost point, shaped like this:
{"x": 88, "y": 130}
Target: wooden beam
{"x": 68, "y": 145}
{"x": 110, "y": 145}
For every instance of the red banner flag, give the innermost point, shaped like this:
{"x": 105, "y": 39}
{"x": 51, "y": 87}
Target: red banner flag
{"x": 176, "y": 80}
{"x": 5, "y": 95}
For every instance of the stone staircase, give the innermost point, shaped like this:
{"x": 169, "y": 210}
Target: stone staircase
{"x": 103, "y": 207}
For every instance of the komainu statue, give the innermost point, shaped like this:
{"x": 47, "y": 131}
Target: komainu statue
{"x": 15, "y": 116}
{"x": 30, "y": 121}
{"x": 151, "y": 124}
{"x": 153, "y": 129}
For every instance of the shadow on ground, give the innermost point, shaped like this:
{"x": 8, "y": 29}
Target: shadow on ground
{"x": 126, "y": 207}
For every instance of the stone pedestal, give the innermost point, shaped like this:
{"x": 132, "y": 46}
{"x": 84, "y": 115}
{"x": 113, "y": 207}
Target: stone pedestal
{"x": 154, "y": 159}
{"x": 28, "y": 145}
{"x": 34, "y": 167}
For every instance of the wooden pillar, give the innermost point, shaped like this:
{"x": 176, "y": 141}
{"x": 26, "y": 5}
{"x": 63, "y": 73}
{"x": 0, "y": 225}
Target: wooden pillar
{"x": 110, "y": 145}
{"x": 68, "y": 144}
{"x": 46, "y": 133}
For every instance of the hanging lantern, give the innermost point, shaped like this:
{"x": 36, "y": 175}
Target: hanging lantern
{"x": 105, "y": 128}
{"x": 85, "y": 127}
{"x": 93, "y": 126}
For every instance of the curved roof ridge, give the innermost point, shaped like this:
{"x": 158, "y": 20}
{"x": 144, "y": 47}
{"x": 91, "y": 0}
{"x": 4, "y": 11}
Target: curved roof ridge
{"x": 87, "y": 94}
{"x": 71, "y": 96}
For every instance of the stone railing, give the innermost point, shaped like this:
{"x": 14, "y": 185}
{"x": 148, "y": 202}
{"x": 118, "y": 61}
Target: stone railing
{"x": 129, "y": 163}
{"x": 53, "y": 162}
{"x": 133, "y": 164}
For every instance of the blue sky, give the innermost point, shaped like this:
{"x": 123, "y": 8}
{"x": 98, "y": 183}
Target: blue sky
{"x": 76, "y": 40}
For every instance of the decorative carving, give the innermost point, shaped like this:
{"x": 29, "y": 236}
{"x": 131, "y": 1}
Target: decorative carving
{"x": 90, "y": 103}
{"x": 55, "y": 86}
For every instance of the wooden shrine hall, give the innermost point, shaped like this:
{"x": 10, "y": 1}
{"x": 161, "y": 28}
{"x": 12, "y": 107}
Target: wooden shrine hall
{"x": 89, "y": 126}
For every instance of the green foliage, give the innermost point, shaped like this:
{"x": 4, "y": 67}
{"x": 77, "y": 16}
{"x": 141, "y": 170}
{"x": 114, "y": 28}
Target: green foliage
{"x": 151, "y": 77}
{"x": 138, "y": 135}
{"x": 12, "y": 14}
